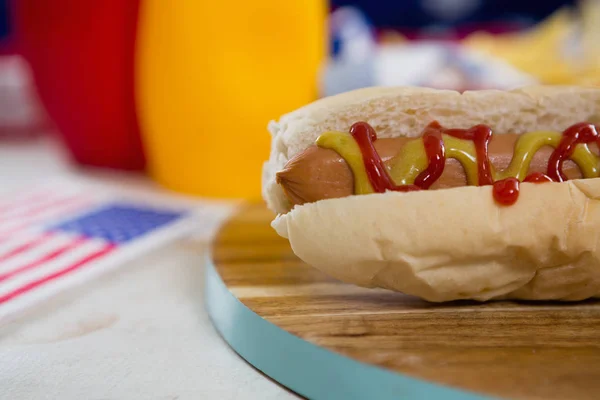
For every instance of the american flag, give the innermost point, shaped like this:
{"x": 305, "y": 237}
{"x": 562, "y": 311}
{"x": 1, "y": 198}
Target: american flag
{"x": 50, "y": 240}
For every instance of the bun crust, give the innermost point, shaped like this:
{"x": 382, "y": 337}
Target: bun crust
{"x": 448, "y": 244}
{"x": 457, "y": 243}
{"x": 405, "y": 111}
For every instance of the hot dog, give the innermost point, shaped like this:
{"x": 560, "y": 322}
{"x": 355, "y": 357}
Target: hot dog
{"x": 480, "y": 195}
{"x": 319, "y": 173}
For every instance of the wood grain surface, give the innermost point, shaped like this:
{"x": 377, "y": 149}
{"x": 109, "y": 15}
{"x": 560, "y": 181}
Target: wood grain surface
{"x": 505, "y": 349}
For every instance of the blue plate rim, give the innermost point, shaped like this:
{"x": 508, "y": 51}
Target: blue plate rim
{"x": 305, "y": 368}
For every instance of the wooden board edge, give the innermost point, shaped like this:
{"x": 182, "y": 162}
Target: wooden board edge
{"x": 303, "y": 367}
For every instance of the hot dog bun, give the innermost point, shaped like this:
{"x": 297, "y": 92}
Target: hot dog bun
{"x": 453, "y": 243}
{"x": 457, "y": 243}
{"x": 405, "y": 111}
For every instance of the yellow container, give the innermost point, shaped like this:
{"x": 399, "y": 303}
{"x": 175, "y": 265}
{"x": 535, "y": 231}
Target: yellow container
{"x": 210, "y": 75}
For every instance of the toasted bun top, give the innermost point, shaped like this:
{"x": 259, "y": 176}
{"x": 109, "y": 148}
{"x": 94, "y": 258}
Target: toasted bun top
{"x": 405, "y": 111}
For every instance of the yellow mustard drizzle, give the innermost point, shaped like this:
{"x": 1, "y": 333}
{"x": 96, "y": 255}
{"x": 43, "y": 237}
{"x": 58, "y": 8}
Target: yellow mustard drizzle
{"x": 409, "y": 163}
{"x": 345, "y": 145}
{"x": 412, "y": 159}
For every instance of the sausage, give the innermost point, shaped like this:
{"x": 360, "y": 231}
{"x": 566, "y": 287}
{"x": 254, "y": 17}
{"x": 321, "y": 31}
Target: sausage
{"x": 318, "y": 173}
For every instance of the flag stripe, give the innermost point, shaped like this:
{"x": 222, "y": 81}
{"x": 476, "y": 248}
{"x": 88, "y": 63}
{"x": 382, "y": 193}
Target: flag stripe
{"x": 57, "y": 274}
{"x": 58, "y": 263}
{"x": 24, "y": 203}
{"x": 25, "y": 247}
{"x": 23, "y": 198}
{"x": 29, "y": 212}
{"x": 45, "y": 258}
{"x": 9, "y": 242}
{"x": 18, "y": 224}
{"x": 54, "y": 242}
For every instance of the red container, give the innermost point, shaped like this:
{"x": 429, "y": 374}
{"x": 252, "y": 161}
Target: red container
{"x": 82, "y": 57}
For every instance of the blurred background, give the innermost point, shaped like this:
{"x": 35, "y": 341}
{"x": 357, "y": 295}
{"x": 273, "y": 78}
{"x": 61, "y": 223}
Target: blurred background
{"x": 182, "y": 91}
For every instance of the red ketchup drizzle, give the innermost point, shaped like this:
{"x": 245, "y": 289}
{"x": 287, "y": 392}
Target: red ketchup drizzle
{"x": 378, "y": 174}
{"x": 537, "y": 177}
{"x": 574, "y": 135}
{"x": 436, "y": 158}
{"x": 505, "y": 191}
{"x": 480, "y": 135}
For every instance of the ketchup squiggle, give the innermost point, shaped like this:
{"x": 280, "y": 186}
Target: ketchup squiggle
{"x": 505, "y": 191}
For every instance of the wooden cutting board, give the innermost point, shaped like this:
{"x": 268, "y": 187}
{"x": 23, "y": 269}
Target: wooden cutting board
{"x": 326, "y": 339}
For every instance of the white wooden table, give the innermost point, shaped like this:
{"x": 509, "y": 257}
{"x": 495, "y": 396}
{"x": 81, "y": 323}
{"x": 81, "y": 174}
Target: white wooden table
{"x": 140, "y": 332}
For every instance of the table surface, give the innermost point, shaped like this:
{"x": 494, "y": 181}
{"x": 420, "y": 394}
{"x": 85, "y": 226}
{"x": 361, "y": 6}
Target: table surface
{"x": 140, "y": 332}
